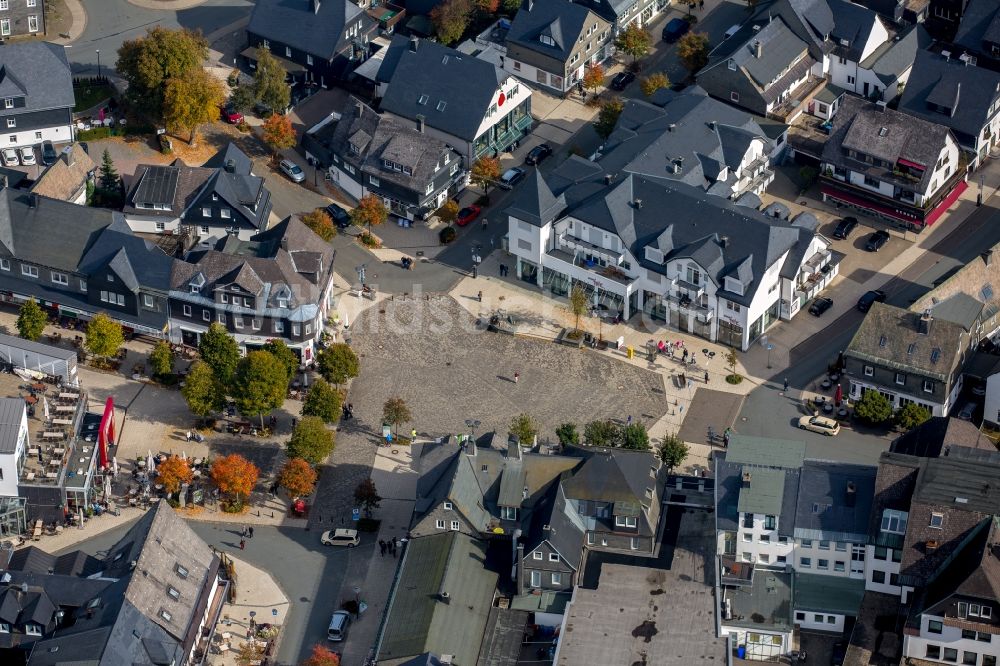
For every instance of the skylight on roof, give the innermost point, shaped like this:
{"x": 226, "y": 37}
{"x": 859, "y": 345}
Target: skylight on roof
{"x": 935, "y": 355}
{"x": 911, "y": 349}
{"x": 987, "y": 291}
{"x": 883, "y": 131}
{"x": 883, "y": 341}
{"x": 423, "y": 100}
{"x": 441, "y": 105}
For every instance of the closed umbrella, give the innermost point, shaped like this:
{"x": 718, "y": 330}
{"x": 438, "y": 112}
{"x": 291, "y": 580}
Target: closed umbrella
{"x": 150, "y": 464}
{"x": 114, "y": 465}
{"x": 838, "y": 396}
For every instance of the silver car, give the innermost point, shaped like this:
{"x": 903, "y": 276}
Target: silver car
{"x": 293, "y": 171}
{"x": 10, "y": 157}
{"x": 28, "y": 156}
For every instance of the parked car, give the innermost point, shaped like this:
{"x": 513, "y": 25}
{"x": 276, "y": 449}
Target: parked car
{"x": 967, "y": 410}
{"x": 845, "y": 227}
{"x": 870, "y": 297}
{"x": 339, "y": 624}
{"x": 538, "y": 153}
{"x": 49, "y": 154}
{"x": 340, "y": 537}
{"x": 511, "y": 177}
{"x": 467, "y": 214}
{"x": 820, "y": 305}
{"x": 231, "y": 115}
{"x": 27, "y": 155}
{"x": 293, "y": 171}
{"x": 621, "y": 80}
{"x": 877, "y": 240}
{"x": 821, "y": 424}
{"x": 10, "y": 157}
{"x": 339, "y": 216}
{"x": 675, "y": 29}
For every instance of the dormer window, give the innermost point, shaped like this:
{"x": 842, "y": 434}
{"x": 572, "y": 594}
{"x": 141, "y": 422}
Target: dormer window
{"x": 547, "y": 40}
{"x": 448, "y": 506}
{"x": 8, "y": 103}
{"x": 195, "y": 289}
{"x": 625, "y": 521}
{"x": 33, "y": 629}
{"x": 894, "y": 521}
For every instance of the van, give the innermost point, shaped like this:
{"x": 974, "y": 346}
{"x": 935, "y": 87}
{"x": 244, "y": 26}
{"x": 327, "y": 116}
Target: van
{"x": 733, "y": 29}
{"x": 339, "y": 623}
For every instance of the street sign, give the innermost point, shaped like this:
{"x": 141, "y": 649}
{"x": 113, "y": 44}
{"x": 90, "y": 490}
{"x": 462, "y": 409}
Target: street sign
{"x": 355, "y": 514}
{"x": 160, "y": 131}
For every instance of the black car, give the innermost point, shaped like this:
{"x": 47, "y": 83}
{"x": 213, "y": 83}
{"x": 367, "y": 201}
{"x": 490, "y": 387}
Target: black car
{"x": 622, "y": 79}
{"x": 339, "y": 216}
{"x": 845, "y": 227}
{"x": 49, "y": 155}
{"x": 877, "y": 240}
{"x": 820, "y": 305}
{"x": 869, "y": 298}
{"x": 537, "y": 154}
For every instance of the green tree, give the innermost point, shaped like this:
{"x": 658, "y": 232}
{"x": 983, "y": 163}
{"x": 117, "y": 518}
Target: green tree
{"x": 450, "y": 19}
{"x": 655, "y": 81}
{"x": 338, "y": 363}
{"x": 567, "y": 434}
{"x": 607, "y": 117}
{"x": 731, "y": 360}
{"x": 110, "y": 180}
{"x": 104, "y": 336}
{"x": 524, "y": 428}
{"x": 577, "y": 304}
{"x": 634, "y": 436}
{"x": 321, "y": 223}
{"x": 485, "y": 172}
{"x": 672, "y": 451}
{"x": 910, "y": 415}
{"x": 192, "y": 100}
{"x": 873, "y": 408}
{"x": 366, "y": 495}
{"x": 510, "y": 7}
{"x": 202, "y": 390}
{"x": 286, "y": 356}
{"x": 634, "y": 41}
{"x": 692, "y": 49}
{"x": 147, "y": 63}
{"x": 260, "y": 384}
{"x": 370, "y": 212}
{"x": 807, "y": 176}
{"x": 601, "y": 433}
{"x": 161, "y": 359}
{"x": 322, "y": 401}
{"x": 396, "y": 412}
{"x": 221, "y": 351}
{"x": 31, "y": 320}
{"x": 243, "y": 98}
{"x": 270, "y": 85}
{"x": 311, "y": 440}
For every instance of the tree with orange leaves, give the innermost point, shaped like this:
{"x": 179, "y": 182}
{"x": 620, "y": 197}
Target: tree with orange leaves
{"x": 297, "y": 477}
{"x": 322, "y": 656}
{"x": 235, "y": 476}
{"x": 278, "y": 132}
{"x": 173, "y": 472}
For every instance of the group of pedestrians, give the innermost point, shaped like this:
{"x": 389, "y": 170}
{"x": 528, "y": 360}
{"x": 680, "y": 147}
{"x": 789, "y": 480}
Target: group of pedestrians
{"x": 247, "y": 533}
{"x": 390, "y": 546}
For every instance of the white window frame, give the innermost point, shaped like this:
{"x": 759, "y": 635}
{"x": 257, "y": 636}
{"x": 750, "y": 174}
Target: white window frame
{"x": 279, "y": 326}
{"x": 5, "y": 264}
{"x": 869, "y": 371}
{"x": 147, "y": 300}
{"x": 29, "y": 271}
{"x": 448, "y": 506}
{"x": 83, "y": 285}
{"x": 59, "y": 278}
{"x": 187, "y": 310}
{"x": 536, "y": 579}
{"x": 556, "y": 578}
{"x": 4, "y": 27}
{"x": 11, "y": 123}
{"x": 8, "y": 102}
{"x": 32, "y": 629}
{"x": 536, "y": 555}
{"x": 625, "y": 521}
{"x": 32, "y": 23}
{"x": 206, "y": 315}
{"x": 553, "y": 557}
{"x": 440, "y": 525}
{"x": 455, "y": 526}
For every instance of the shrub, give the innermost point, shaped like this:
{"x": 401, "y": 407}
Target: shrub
{"x": 873, "y": 408}
{"x": 447, "y": 235}
{"x": 93, "y": 134}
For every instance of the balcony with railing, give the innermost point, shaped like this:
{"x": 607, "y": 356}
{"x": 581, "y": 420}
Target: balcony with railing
{"x": 798, "y": 101}
{"x": 687, "y": 305}
{"x": 584, "y": 269}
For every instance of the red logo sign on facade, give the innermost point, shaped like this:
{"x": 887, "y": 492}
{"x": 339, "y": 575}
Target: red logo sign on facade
{"x": 503, "y": 98}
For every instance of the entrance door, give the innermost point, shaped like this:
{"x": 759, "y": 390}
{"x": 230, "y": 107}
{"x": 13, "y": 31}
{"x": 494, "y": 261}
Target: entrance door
{"x": 865, "y": 89}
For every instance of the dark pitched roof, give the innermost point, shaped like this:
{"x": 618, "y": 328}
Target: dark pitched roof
{"x": 174, "y": 186}
{"x": 854, "y": 24}
{"x": 231, "y": 153}
{"x": 39, "y": 72}
{"x": 560, "y": 20}
{"x": 827, "y": 507}
{"x": 51, "y": 233}
{"x": 534, "y": 202}
{"x": 457, "y": 89}
{"x": 889, "y": 135}
{"x": 730, "y": 491}
{"x": 890, "y": 60}
{"x": 293, "y": 22}
{"x": 67, "y": 176}
{"x": 890, "y": 336}
{"x": 967, "y": 94}
{"x": 980, "y": 26}
{"x": 972, "y": 572}
{"x": 941, "y": 435}
{"x": 553, "y": 520}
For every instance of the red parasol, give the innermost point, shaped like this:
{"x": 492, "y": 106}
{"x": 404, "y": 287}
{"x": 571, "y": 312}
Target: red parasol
{"x": 838, "y": 396}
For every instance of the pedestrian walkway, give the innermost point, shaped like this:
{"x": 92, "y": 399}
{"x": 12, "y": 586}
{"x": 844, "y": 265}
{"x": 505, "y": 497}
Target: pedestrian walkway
{"x": 78, "y": 23}
{"x": 396, "y": 481}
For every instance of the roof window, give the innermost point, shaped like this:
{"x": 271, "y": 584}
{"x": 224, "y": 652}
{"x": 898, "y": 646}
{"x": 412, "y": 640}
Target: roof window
{"x": 423, "y": 100}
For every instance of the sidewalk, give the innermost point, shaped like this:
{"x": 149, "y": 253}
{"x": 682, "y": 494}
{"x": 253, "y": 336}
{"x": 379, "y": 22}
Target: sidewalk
{"x": 257, "y": 593}
{"x": 79, "y": 23}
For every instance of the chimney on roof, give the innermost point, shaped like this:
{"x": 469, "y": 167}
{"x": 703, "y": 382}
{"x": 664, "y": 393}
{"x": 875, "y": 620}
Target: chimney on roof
{"x": 608, "y": 178}
{"x": 638, "y": 204}
{"x": 32, "y": 200}
{"x": 924, "y": 323}
{"x": 514, "y": 449}
{"x": 230, "y": 166}
{"x": 671, "y": 127}
{"x": 746, "y": 479}
{"x": 758, "y": 49}
{"x": 987, "y": 257}
{"x": 852, "y": 494}
{"x": 724, "y": 241}
{"x": 946, "y": 55}
{"x": 470, "y": 447}
{"x": 444, "y": 597}
{"x": 880, "y": 106}
{"x": 420, "y": 123}
{"x": 414, "y": 43}
{"x": 67, "y": 155}
{"x": 284, "y": 243}
{"x": 359, "y": 108}
{"x": 712, "y": 124}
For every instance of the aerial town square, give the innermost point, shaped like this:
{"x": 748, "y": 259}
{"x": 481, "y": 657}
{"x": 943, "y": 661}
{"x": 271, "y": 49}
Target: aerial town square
{"x": 499, "y": 332}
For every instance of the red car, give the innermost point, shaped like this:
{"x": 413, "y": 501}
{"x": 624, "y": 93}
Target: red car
{"x": 467, "y": 214}
{"x": 231, "y": 115}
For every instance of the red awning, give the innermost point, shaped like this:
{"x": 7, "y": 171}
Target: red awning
{"x": 870, "y": 205}
{"x": 911, "y": 164}
{"x": 946, "y": 203}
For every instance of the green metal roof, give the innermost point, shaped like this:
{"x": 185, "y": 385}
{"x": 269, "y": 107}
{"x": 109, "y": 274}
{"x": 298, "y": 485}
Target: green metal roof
{"x": 549, "y": 601}
{"x": 765, "y": 451}
{"x": 765, "y": 492}
{"x": 829, "y": 594}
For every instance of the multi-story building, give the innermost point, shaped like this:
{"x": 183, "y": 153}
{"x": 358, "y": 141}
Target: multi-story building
{"x": 67, "y": 178}
{"x": 36, "y": 93}
{"x": 472, "y": 105}
{"x": 551, "y": 42}
{"x": 890, "y": 165}
{"x": 413, "y": 172}
{"x": 979, "y": 32}
{"x": 22, "y": 18}
{"x": 622, "y": 13}
{"x": 907, "y": 357}
{"x": 13, "y": 443}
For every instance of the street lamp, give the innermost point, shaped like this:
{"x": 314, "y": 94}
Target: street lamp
{"x": 476, "y": 259}
{"x": 361, "y": 275}
{"x": 98, "y": 64}
{"x": 472, "y": 424}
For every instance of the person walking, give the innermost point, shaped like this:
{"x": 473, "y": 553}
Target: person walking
{"x": 628, "y": 421}
{"x": 250, "y": 531}
{"x": 381, "y": 548}
{"x": 517, "y": 375}
{"x": 706, "y": 376}
{"x": 480, "y": 297}
{"x": 486, "y": 224}
{"x": 243, "y": 544}
{"x": 786, "y": 385}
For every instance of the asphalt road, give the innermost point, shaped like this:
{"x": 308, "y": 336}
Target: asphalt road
{"x": 112, "y": 22}
{"x": 308, "y": 574}
{"x": 767, "y": 412}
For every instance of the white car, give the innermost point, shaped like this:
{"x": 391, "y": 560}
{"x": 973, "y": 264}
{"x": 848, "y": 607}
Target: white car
{"x": 293, "y": 171}
{"x": 820, "y": 424}
{"x": 28, "y": 156}
{"x": 341, "y": 537}
{"x": 10, "y": 157}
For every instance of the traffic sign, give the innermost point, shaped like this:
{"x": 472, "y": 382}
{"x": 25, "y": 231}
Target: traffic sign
{"x": 355, "y": 515}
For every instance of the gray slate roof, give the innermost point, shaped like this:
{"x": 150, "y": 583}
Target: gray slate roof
{"x": 969, "y": 92}
{"x": 562, "y": 20}
{"x": 729, "y": 491}
{"x": 893, "y": 58}
{"x": 853, "y": 23}
{"x": 11, "y": 411}
{"x": 553, "y": 520}
{"x": 39, "y": 72}
{"x": 292, "y": 22}
{"x": 886, "y": 134}
{"x": 825, "y": 508}
{"x": 459, "y": 88}
{"x": 980, "y": 26}
{"x": 942, "y": 435}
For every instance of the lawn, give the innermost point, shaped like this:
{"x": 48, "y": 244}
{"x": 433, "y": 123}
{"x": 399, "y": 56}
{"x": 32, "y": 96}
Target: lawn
{"x": 89, "y": 95}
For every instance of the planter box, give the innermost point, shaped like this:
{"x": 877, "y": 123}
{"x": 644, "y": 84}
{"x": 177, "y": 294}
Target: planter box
{"x": 564, "y": 339}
